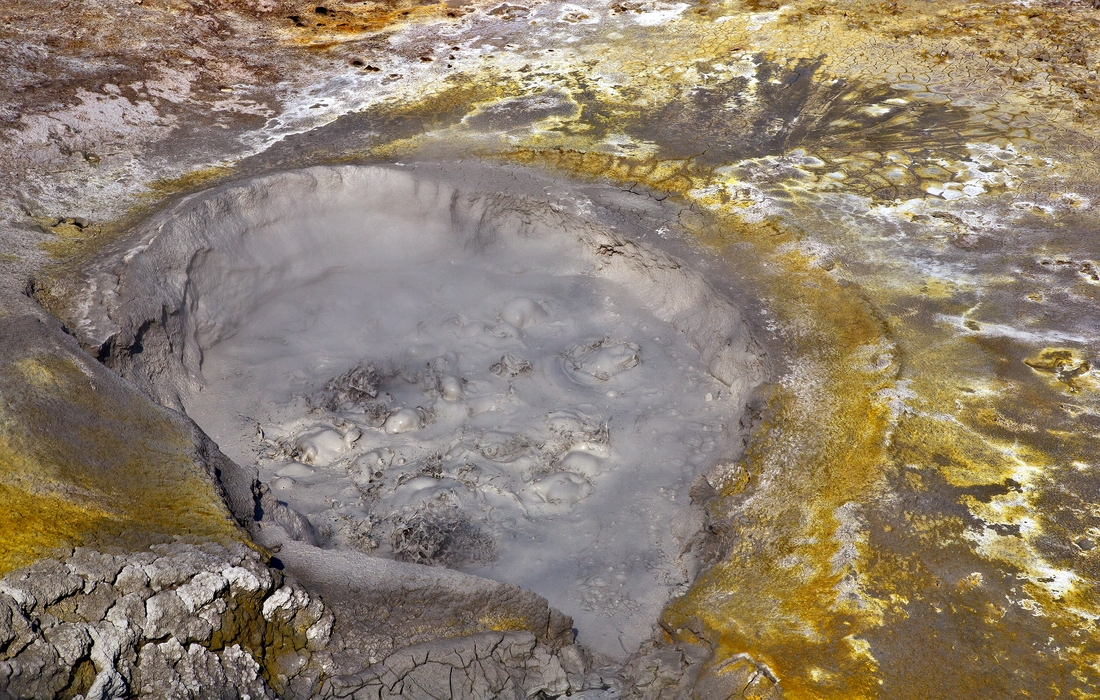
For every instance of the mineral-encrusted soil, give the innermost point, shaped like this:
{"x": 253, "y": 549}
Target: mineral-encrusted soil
{"x": 914, "y": 182}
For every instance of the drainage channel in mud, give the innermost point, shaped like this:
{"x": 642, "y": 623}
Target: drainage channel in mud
{"x": 477, "y": 381}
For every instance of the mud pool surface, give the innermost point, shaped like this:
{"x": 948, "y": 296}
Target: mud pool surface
{"x": 497, "y": 403}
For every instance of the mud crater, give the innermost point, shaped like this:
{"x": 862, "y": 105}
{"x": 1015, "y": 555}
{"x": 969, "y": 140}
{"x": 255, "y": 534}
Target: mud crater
{"x": 444, "y": 376}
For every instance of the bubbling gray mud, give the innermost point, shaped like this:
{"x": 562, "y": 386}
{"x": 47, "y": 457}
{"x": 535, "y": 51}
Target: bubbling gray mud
{"x": 479, "y": 381}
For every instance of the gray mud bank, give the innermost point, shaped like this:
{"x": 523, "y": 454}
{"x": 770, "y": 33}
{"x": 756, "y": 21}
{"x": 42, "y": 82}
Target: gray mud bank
{"x": 476, "y": 427}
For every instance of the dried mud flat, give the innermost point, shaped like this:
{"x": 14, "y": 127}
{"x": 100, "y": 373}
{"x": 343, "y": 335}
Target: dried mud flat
{"x": 898, "y": 198}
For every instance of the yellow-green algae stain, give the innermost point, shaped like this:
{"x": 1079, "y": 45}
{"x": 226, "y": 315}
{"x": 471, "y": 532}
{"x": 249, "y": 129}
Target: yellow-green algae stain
{"x": 84, "y": 460}
{"x": 504, "y": 622}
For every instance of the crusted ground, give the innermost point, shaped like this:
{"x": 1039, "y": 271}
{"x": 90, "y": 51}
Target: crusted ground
{"x": 907, "y": 188}
{"x": 179, "y": 620}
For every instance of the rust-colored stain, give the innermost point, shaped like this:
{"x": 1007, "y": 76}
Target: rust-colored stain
{"x": 329, "y": 24}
